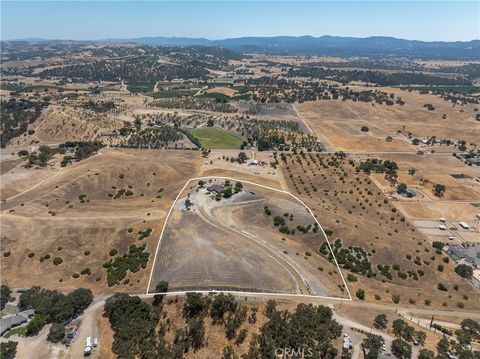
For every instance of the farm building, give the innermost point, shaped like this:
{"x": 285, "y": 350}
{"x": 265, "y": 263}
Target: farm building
{"x": 464, "y": 225}
{"x": 216, "y": 188}
{"x": 465, "y": 254}
{"x": 409, "y": 193}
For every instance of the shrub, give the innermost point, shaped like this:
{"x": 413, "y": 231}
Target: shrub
{"x": 328, "y": 232}
{"x": 57, "y": 261}
{"x": 464, "y": 271}
{"x": 278, "y": 221}
{"x": 396, "y": 298}
{"x": 86, "y": 271}
{"x": 285, "y": 229}
{"x": 145, "y": 233}
{"x": 360, "y": 294}
{"x": 56, "y": 333}
{"x": 442, "y": 287}
{"x": 36, "y": 324}
{"x": 351, "y": 278}
{"x": 401, "y": 349}
{"x": 380, "y": 321}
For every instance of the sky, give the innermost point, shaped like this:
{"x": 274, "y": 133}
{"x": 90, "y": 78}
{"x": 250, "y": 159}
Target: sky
{"x": 91, "y": 20}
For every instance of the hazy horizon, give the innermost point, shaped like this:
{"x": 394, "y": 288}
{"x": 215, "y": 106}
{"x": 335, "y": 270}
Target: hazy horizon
{"x": 220, "y": 39}
{"x": 213, "y": 20}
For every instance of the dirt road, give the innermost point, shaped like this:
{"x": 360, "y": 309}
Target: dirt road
{"x": 209, "y": 218}
{"x": 88, "y": 328}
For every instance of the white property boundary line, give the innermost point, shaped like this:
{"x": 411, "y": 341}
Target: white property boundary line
{"x": 253, "y": 293}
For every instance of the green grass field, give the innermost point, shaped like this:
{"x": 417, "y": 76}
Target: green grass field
{"x": 141, "y": 87}
{"x": 172, "y": 93}
{"x": 216, "y": 138}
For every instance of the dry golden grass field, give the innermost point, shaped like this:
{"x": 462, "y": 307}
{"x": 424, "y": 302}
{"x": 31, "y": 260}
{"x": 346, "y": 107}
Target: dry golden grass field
{"x": 360, "y": 214}
{"x": 75, "y": 226}
{"x": 71, "y": 216}
{"x": 338, "y": 123}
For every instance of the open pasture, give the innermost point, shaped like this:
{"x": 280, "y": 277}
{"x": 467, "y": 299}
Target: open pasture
{"x": 447, "y": 120}
{"x": 87, "y": 214}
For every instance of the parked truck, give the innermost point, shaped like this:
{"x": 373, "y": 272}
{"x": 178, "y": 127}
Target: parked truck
{"x": 88, "y": 346}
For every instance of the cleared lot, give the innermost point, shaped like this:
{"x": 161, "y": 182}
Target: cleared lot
{"x": 233, "y": 244}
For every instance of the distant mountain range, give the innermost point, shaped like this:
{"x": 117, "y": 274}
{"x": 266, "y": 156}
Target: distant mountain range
{"x": 377, "y": 46}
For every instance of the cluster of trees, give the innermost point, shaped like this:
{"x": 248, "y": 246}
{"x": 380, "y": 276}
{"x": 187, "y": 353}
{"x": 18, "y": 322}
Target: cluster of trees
{"x": 82, "y": 150}
{"x": 118, "y": 268}
{"x": 401, "y": 329}
{"x": 283, "y": 135}
{"x": 388, "y": 167}
{"x": 353, "y": 258}
{"x": 380, "y": 321}
{"x": 156, "y": 137}
{"x": 230, "y": 190}
{"x": 405, "y": 333}
{"x": 279, "y": 221}
{"x": 376, "y": 77}
{"x": 372, "y": 345}
{"x": 276, "y": 90}
{"x": 461, "y": 345}
{"x": 41, "y": 158}
{"x": 311, "y": 328}
{"x": 464, "y": 270}
{"x": 52, "y": 306}
{"x": 140, "y": 328}
{"x": 16, "y": 115}
{"x": 136, "y": 69}
{"x": 134, "y": 323}
{"x": 192, "y": 103}
{"x": 401, "y": 349}
{"x": 101, "y": 106}
{"x": 438, "y": 190}
{"x": 8, "y": 349}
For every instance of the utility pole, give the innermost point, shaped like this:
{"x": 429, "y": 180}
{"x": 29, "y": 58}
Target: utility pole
{"x": 431, "y": 323}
